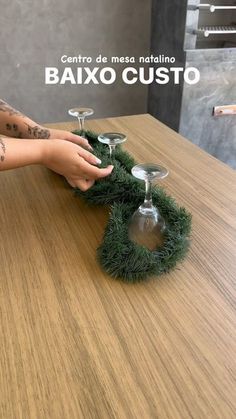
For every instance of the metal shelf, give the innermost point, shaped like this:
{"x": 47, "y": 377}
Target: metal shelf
{"x": 214, "y": 30}
{"x": 212, "y": 8}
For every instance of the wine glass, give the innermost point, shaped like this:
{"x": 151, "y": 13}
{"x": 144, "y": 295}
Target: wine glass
{"x": 81, "y": 114}
{"x": 112, "y": 139}
{"x": 147, "y": 226}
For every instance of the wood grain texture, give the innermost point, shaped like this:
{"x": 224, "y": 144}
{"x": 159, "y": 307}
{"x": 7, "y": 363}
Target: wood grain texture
{"x": 76, "y": 343}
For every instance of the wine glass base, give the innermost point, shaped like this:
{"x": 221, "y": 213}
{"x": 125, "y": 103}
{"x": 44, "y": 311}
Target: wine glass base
{"x": 80, "y": 112}
{"x": 112, "y": 139}
{"x": 147, "y": 229}
{"x": 151, "y": 241}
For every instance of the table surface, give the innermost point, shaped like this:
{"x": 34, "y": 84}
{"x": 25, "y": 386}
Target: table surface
{"x": 76, "y": 343}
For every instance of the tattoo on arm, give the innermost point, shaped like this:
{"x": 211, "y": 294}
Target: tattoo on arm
{"x": 3, "y": 150}
{"x": 14, "y": 130}
{"x": 38, "y": 132}
{"x": 4, "y": 107}
{"x": 13, "y": 127}
{"x": 35, "y": 131}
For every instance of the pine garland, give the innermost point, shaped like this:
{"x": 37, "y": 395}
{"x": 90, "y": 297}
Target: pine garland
{"x": 119, "y": 256}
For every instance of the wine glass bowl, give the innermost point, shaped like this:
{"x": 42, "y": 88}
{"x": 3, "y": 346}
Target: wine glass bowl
{"x": 81, "y": 114}
{"x": 112, "y": 139}
{"x": 147, "y": 226}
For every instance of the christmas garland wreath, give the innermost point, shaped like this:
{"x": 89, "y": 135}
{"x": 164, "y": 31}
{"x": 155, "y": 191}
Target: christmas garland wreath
{"x": 118, "y": 255}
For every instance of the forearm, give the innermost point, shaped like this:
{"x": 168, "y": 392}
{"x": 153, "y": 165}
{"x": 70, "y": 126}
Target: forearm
{"x": 18, "y": 153}
{"x": 15, "y": 124}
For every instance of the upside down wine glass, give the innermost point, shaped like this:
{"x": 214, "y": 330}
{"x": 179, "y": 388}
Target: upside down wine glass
{"x": 112, "y": 139}
{"x": 147, "y": 226}
{"x": 81, "y": 114}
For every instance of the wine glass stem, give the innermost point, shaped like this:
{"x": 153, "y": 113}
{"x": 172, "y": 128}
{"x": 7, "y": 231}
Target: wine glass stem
{"x": 81, "y": 126}
{"x": 111, "y": 148}
{"x": 148, "y": 195}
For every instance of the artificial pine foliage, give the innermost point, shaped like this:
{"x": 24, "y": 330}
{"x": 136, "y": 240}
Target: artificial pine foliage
{"x": 118, "y": 255}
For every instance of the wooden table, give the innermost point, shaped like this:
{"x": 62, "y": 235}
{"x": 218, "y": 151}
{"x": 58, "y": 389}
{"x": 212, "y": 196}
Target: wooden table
{"x": 76, "y": 343}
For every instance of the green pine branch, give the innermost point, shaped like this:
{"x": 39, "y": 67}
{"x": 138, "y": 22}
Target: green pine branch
{"x": 120, "y": 257}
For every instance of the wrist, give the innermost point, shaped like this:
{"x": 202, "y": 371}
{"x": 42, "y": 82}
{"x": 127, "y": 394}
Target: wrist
{"x": 34, "y": 151}
{"x": 43, "y": 151}
{"x": 20, "y": 153}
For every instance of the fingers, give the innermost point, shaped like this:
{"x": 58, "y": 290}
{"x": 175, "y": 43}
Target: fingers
{"x": 69, "y": 136}
{"x": 82, "y": 184}
{"x": 85, "y": 184}
{"x": 90, "y": 173}
{"x": 88, "y": 157}
{"x": 104, "y": 172}
{"x": 93, "y": 172}
{"x": 76, "y": 139}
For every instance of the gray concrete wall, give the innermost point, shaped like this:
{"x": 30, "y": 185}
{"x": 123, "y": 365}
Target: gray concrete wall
{"x": 216, "y": 135}
{"x": 35, "y": 34}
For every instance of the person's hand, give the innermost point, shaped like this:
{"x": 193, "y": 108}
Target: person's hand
{"x": 59, "y": 134}
{"x": 75, "y": 163}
